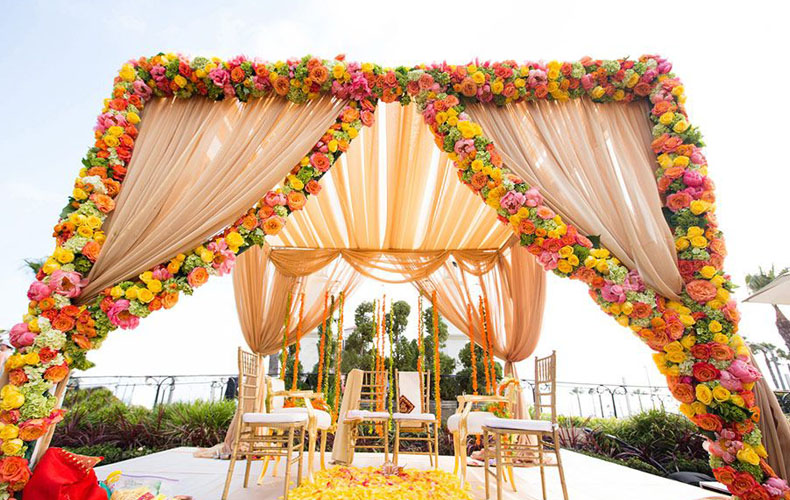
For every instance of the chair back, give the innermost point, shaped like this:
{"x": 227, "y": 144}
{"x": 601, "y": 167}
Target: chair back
{"x": 373, "y": 391}
{"x": 275, "y": 384}
{"x": 250, "y": 382}
{"x": 546, "y": 386}
{"x": 414, "y": 388}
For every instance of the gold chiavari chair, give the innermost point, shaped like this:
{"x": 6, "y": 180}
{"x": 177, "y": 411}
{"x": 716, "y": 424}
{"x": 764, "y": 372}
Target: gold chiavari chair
{"x": 260, "y": 434}
{"x": 373, "y": 391}
{"x": 413, "y": 415}
{"x": 509, "y": 452}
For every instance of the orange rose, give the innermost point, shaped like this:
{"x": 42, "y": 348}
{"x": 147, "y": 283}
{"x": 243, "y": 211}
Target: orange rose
{"x": 112, "y": 186}
{"x": 641, "y": 310}
{"x": 56, "y": 373}
{"x": 724, "y": 475}
{"x": 32, "y": 429}
{"x": 349, "y": 114}
{"x": 684, "y": 393}
{"x": 526, "y": 227}
{"x": 296, "y": 200}
{"x": 91, "y": 250}
{"x": 319, "y": 74}
{"x": 312, "y": 187}
{"x": 272, "y": 225}
{"x": 100, "y": 171}
{"x": 721, "y": 352}
{"x": 479, "y": 180}
{"x": 15, "y": 472}
{"x": 103, "y": 202}
{"x": 249, "y": 222}
{"x": 155, "y": 304}
{"x": 708, "y": 422}
{"x": 197, "y": 277}
{"x": 169, "y": 300}
{"x": 468, "y": 87}
{"x": 17, "y": 377}
{"x": 82, "y": 341}
{"x": 701, "y": 290}
{"x": 282, "y": 85}
{"x": 237, "y": 74}
{"x": 63, "y": 323}
{"x": 46, "y": 304}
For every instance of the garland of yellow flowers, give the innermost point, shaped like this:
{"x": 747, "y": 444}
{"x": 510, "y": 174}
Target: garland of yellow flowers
{"x": 420, "y": 346}
{"x": 436, "y": 362}
{"x": 472, "y": 347}
{"x": 298, "y": 341}
{"x": 481, "y": 313}
{"x": 489, "y": 335}
{"x": 391, "y": 371}
{"x": 375, "y": 361}
{"x": 381, "y": 326}
{"x": 322, "y": 348}
{"x": 284, "y": 352}
{"x": 341, "y": 304}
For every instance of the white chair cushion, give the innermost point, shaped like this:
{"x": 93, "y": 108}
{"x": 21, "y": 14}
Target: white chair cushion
{"x": 352, "y": 415}
{"x": 421, "y": 417}
{"x": 474, "y": 421}
{"x": 274, "y": 418}
{"x": 520, "y": 425}
{"x": 323, "y": 419}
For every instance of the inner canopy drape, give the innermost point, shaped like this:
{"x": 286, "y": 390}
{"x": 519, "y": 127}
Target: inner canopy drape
{"x": 197, "y": 165}
{"x": 593, "y": 164}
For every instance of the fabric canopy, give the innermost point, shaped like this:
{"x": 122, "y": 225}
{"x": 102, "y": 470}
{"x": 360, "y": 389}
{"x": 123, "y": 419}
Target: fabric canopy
{"x": 191, "y": 158}
{"x": 593, "y": 164}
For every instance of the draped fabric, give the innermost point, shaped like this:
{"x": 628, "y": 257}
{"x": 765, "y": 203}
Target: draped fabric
{"x": 515, "y": 288}
{"x": 774, "y": 427}
{"x": 593, "y": 164}
{"x": 197, "y": 166}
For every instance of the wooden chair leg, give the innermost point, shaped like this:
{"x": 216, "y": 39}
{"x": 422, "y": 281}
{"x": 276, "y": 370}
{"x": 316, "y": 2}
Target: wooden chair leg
{"x": 288, "y": 457}
{"x": 428, "y": 428}
{"x": 436, "y": 445}
{"x": 301, "y": 457}
{"x": 397, "y": 443}
{"x": 462, "y": 449}
{"x": 311, "y": 451}
{"x": 455, "y": 452}
{"x": 542, "y": 468}
{"x": 231, "y": 465}
{"x": 386, "y": 442}
{"x": 499, "y": 465}
{"x": 323, "y": 448}
{"x": 511, "y": 478}
{"x": 247, "y": 470}
{"x": 559, "y": 465}
{"x": 485, "y": 465}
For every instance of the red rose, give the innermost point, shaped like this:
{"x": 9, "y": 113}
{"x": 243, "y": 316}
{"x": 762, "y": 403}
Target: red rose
{"x": 708, "y": 422}
{"x": 15, "y": 472}
{"x": 721, "y": 352}
{"x": 701, "y": 351}
{"x": 683, "y": 393}
{"x": 742, "y": 483}
{"x": 756, "y": 493}
{"x": 47, "y": 354}
{"x": 724, "y": 475}
{"x": 17, "y": 377}
{"x": 705, "y": 372}
{"x": 9, "y": 417}
{"x": 312, "y": 187}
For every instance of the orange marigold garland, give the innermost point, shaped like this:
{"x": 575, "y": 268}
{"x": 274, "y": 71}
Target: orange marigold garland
{"x": 322, "y": 347}
{"x": 482, "y": 313}
{"x": 298, "y": 341}
{"x": 339, "y": 357}
{"x": 490, "y": 339}
{"x": 420, "y": 346}
{"x": 284, "y": 352}
{"x": 436, "y": 362}
{"x": 472, "y": 347}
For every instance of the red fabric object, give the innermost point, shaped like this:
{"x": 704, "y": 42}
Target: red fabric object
{"x": 61, "y": 475}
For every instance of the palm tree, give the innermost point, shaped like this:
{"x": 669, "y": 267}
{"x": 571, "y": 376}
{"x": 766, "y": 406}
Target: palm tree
{"x": 766, "y": 348}
{"x": 759, "y": 280}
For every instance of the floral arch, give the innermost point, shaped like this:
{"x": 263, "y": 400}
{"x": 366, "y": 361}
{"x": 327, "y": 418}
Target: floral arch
{"x": 694, "y": 336}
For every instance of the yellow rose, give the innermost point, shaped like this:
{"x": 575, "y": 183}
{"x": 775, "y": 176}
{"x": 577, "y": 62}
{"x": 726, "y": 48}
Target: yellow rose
{"x": 295, "y": 183}
{"x": 9, "y": 431}
{"x": 206, "y": 255}
{"x": 687, "y": 319}
{"x": 99, "y": 236}
{"x": 85, "y": 231}
{"x": 564, "y": 266}
{"x": 673, "y": 371}
{"x": 737, "y": 400}
{"x": 748, "y": 455}
{"x": 14, "y": 361}
{"x": 676, "y": 356}
{"x": 12, "y": 447}
{"x": 234, "y": 240}
{"x": 717, "y": 280}
{"x": 615, "y": 308}
{"x": 131, "y": 292}
{"x": 145, "y": 295}
{"x": 497, "y": 87}
{"x": 353, "y": 133}
{"x": 11, "y": 398}
{"x": 623, "y": 320}
{"x": 598, "y": 92}
{"x": 704, "y": 394}
{"x": 111, "y": 140}
{"x": 721, "y": 394}
{"x": 332, "y": 146}
{"x": 666, "y": 118}
{"x": 155, "y": 286}
{"x": 127, "y": 73}
{"x": 627, "y": 308}
{"x": 681, "y": 161}
{"x": 699, "y": 207}
{"x": 93, "y": 222}
{"x": 674, "y": 347}
{"x": 63, "y": 255}
{"x": 31, "y": 358}
{"x": 602, "y": 266}
{"x": 478, "y": 77}
{"x": 695, "y": 231}
{"x": 688, "y": 341}
{"x": 132, "y": 117}
{"x": 681, "y": 126}
{"x": 723, "y": 295}
{"x": 699, "y": 408}
{"x": 116, "y": 292}
{"x": 720, "y": 338}
{"x": 665, "y": 160}
{"x": 566, "y": 251}
{"x": 681, "y": 243}
{"x": 687, "y": 410}
{"x": 699, "y": 241}
{"x": 574, "y": 261}
{"x": 180, "y": 81}
{"x": 79, "y": 194}
{"x": 761, "y": 451}
{"x": 714, "y": 326}
{"x": 590, "y": 261}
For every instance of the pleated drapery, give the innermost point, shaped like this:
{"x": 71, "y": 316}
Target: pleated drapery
{"x": 593, "y": 164}
{"x": 197, "y": 166}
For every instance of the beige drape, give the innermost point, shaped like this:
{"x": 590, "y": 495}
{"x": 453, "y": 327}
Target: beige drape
{"x": 352, "y": 390}
{"x": 515, "y": 288}
{"x": 593, "y": 164}
{"x": 774, "y": 427}
{"x": 197, "y": 166}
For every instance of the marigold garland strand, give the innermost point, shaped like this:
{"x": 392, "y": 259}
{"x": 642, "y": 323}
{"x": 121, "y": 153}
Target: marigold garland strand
{"x": 472, "y": 347}
{"x": 322, "y": 348}
{"x": 298, "y": 341}
{"x": 420, "y": 347}
{"x": 490, "y": 336}
{"x": 481, "y": 314}
{"x": 284, "y": 352}
{"x": 339, "y": 357}
{"x": 436, "y": 361}
{"x": 391, "y": 371}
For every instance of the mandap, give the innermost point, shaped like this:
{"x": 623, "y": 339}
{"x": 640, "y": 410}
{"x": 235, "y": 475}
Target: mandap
{"x": 590, "y": 166}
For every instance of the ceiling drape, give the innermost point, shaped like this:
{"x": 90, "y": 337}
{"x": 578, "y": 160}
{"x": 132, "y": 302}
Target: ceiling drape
{"x": 594, "y": 166}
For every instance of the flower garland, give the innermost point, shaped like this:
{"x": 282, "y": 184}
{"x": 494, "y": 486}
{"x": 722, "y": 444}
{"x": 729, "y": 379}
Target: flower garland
{"x": 472, "y": 348}
{"x": 420, "y": 345}
{"x": 339, "y": 356}
{"x": 284, "y": 347}
{"x": 436, "y": 360}
{"x": 391, "y": 370}
{"x": 486, "y": 354}
{"x": 489, "y": 336}
{"x": 696, "y": 341}
{"x": 298, "y": 341}
{"x": 322, "y": 346}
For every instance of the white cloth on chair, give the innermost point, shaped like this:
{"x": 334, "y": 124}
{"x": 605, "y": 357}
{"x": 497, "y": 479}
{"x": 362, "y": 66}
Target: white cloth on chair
{"x": 418, "y": 417}
{"x": 323, "y": 419}
{"x": 520, "y": 425}
{"x": 354, "y": 415}
{"x": 274, "y": 418}
{"x": 474, "y": 421}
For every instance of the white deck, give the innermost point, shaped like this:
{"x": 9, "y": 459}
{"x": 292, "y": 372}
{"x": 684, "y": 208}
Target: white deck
{"x": 588, "y": 478}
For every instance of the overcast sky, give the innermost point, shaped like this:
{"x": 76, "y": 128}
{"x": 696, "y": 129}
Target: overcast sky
{"x": 59, "y": 59}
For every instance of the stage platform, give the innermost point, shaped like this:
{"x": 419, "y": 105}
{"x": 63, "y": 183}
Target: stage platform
{"x": 588, "y": 478}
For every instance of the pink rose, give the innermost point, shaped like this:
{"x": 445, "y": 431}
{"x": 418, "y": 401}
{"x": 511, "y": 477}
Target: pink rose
{"x": 161, "y": 273}
{"x": 549, "y": 260}
{"x": 534, "y": 198}
{"x": 66, "y": 283}
{"x": 38, "y": 291}
{"x": 464, "y": 147}
{"x": 20, "y": 336}
{"x": 730, "y": 382}
{"x": 633, "y": 282}
{"x": 692, "y": 178}
{"x": 273, "y": 199}
{"x": 220, "y": 77}
{"x": 512, "y": 201}
{"x": 120, "y": 316}
{"x": 613, "y": 293}
{"x": 775, "y": 486}
{"x": 744, "y": 371}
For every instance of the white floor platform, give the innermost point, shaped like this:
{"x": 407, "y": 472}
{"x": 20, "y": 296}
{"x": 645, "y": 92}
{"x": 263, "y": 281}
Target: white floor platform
{"x": 588, "y": 478}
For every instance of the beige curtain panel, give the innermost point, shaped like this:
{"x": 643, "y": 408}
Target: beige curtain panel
{"x": 593, "y": 164}
{"x": 197, "y": 166}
